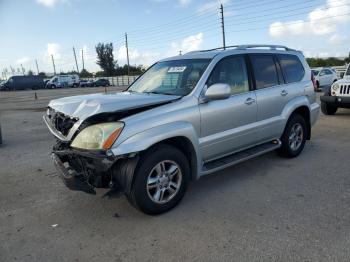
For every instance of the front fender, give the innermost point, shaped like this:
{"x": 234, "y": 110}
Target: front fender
{"x": 144, "y": 140}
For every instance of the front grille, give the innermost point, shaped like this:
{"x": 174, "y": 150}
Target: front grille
{"x": 344, "y": 89}
{"x": 60, "y": 121}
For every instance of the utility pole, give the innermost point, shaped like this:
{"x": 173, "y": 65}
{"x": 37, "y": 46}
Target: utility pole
{"x": 37, "y": 67}
{"x": 82, "y": 58}
{"x": 223, "y": 26}
{"x": 53, "y": 63}
{"x": 127, "y": 52}
{"x": 22, "y": 69}
{"x": 75, "y": 57}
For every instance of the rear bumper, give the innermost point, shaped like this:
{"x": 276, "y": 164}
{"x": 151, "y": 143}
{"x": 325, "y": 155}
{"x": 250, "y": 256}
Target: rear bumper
{"x": 336, "y": 101}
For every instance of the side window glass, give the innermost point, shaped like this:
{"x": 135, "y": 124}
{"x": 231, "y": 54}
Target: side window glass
{"x": 328, "y": 72}
{"x": 231, "y": 71}
{"x": 264, "y": 71}
{"x": 292, "y": 68}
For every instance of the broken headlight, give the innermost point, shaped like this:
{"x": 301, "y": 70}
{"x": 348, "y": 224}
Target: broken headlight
{"x": 100, "y": 136}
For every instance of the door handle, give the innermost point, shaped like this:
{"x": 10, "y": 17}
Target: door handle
{"x": 249, "y": 101}
{"x": 284, "y": 93}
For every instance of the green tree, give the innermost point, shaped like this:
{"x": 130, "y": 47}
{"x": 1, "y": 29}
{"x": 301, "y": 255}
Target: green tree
{"x": 105, "y": 58}
{"x": 85, "y": 73}
{"x": 30, "y": 73}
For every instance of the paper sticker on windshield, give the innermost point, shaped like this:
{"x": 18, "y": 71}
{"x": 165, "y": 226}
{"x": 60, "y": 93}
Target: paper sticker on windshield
{"x": 177, "y": 69}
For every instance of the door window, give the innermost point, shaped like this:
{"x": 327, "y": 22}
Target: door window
{"x": 231, "y": 71}
{"x": 292, "y": 68}
{"x": 264, "y": 71}
{"x": 327, "y": 71}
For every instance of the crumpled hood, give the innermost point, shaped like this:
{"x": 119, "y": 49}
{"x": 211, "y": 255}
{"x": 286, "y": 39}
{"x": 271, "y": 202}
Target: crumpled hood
{"x": 84, "y": 106}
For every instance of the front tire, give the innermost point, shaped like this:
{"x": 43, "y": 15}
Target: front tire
{"x": 160, "y": 180}
{"x": 294, "y": 137}
{"x": 328, "y": 109}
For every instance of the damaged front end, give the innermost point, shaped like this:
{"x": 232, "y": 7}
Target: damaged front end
{"x": 84, "y": 170}
{"x": 86, "y": 127}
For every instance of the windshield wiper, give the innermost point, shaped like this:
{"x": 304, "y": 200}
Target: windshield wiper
{"x": 159, "y": 93}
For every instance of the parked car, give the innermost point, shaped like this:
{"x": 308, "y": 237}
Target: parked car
{"x": 86, "y": 83}
{"x": 60, "y": 81}
{"x": 324, "y": 77}
{"x": 33, "y": 82}
{"x": 185, "y": 117}
{"x": 101, "y": 82}
{"x": 338, "y": 96}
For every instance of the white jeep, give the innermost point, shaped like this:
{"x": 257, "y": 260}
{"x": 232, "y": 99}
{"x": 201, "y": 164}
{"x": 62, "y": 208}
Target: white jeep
{"x": 338, "y": 96}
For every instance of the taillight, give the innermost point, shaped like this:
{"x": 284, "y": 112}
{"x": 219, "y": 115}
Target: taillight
{"x": 314, "y": 82}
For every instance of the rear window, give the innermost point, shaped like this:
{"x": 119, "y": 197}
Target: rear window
{"x": 292, "y": 68}
{"x": 265, "y": 71}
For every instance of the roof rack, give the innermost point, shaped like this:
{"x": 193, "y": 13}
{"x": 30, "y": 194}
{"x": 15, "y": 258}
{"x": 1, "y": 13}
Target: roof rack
{"x": 243, "y": 47}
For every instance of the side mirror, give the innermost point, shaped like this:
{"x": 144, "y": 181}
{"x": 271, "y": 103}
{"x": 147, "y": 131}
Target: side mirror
{"x": 217, "y": 92}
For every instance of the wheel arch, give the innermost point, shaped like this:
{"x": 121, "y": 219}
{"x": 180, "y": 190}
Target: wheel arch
{"x": 183, "y": 144}
{"x": 181, "y": 135}
{"x": 304, "y": 111}
{"x": 299, "y": 106}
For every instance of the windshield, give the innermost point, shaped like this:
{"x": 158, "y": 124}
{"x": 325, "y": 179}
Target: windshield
{"x": 177, "y": 77}
{"x": 348, "y": 71}
{"x": 315, "y": 72}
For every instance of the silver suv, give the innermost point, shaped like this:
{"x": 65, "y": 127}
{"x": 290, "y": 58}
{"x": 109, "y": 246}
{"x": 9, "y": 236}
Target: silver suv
{"x": 185, "y": 117}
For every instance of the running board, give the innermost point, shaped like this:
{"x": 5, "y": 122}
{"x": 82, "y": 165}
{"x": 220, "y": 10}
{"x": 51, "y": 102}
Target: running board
{"x": 239, "y": 157}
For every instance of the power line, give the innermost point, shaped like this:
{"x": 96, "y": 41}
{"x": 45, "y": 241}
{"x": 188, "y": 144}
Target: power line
{"x": 175, "y": 35}
{"x": 165, "y": 28}
{"x": 281, "y": 16}
{"x": 277, "y": 8}
{"x": 291, "y": 23}
{"x": 174, "y": 22}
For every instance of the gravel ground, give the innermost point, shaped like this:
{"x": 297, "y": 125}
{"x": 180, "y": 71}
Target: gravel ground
{"x": 267, "y": 209}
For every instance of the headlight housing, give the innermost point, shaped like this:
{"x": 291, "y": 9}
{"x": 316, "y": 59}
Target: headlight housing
{"x": 100, "y": 136}
{"x": 335, "y": 87}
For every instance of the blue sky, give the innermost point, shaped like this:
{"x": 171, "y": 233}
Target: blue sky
{"x": 35, "y": 29}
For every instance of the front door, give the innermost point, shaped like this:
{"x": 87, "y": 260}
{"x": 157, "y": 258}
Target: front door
{"x": 227, "y": 125}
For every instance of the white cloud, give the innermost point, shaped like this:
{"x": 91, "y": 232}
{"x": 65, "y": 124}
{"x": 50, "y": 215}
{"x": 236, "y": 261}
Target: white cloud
{"x": 188, "y": 44}
{"x": 184, "y": 2}
{"x": 136, "y": 57}
{"x": 321, "y": 21}
{"x": 23, "y": 60}
{"x": 146, "y": 58}
{"x": 338, "y": 39}
{"x": 54, "y": 50}
{"x": 48, "y": 3}
{"x": 211, "y": 6}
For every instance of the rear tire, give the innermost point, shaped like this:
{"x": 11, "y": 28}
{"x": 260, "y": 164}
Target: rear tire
{"x": 328, "y": 109}
{"x": 160, "y": 180}
{"x": 294, "y": 137}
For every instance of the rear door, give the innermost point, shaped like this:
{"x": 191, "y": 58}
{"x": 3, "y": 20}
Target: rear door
{"x": 277, "y": 80}
{"x": 229, "y": 125}
{"x": 271, "y": 95}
